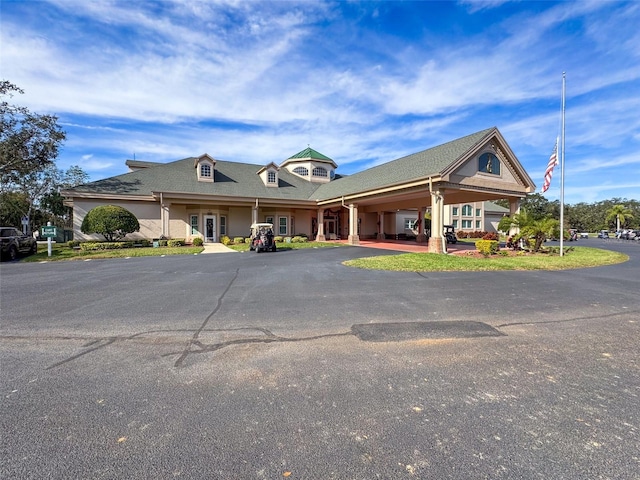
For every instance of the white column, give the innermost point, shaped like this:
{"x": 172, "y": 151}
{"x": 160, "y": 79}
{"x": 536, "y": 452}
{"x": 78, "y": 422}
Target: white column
{"x": 354, "y": 239}
{"x": 437, "y": 242}
{"x": 320, "y": 237}
{"x": 164, "y": 219}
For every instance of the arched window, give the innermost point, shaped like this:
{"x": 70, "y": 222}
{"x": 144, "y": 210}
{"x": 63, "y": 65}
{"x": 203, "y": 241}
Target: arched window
{"x": 302, "y": 171}
{"x": 320, "y": 172}
{"x": 467, "y": 210}
{"x": 489, "y": 163}
{"x": 205, "y": 170}
{"x": 271, "y": 176}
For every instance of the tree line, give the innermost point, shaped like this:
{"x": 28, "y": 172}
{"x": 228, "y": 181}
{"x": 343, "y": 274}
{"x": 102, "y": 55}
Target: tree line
{"x": 585, "y": 217}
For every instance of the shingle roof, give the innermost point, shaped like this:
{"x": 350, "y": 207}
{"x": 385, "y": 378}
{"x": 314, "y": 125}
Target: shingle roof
{"x": 242, "y": 180}
{"x": 423, "y": 164}
{"x": 494, "y": 207}
{"x": 231, "y": 179}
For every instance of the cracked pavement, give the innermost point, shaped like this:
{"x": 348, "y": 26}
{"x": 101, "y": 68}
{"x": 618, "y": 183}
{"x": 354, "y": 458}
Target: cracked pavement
{"x": 249, "y": 366}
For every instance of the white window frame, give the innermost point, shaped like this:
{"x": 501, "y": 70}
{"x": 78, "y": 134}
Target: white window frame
{"x": 194, "y": 229}
{"x": 286, "y": 225}
{"x": 223, "y": 225}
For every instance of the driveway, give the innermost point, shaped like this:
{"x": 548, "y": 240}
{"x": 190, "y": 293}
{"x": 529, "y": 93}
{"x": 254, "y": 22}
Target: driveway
{"x": 276, "y": 366}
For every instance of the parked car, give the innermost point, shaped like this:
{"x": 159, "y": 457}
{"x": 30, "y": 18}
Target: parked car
{"x": 14, "y": 243}
{"x": 584, "y": 234}
{"x": 603, "y": 234}
{"x": 261, "y": 239}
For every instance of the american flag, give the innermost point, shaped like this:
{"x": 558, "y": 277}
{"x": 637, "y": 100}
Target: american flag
{"x": 553, "y": 161}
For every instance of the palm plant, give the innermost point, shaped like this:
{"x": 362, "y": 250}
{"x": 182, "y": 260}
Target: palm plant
{"x": 620, "y": 214}
{"x": 530, "y": 227}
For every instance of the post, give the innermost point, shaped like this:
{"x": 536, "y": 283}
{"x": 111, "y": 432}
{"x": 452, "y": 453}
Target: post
{"x": 49, "y": 241}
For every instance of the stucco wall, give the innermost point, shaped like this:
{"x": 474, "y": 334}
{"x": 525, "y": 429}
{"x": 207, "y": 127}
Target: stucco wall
{"x": 147, "y": 213}
{"x": 239, "y": 221}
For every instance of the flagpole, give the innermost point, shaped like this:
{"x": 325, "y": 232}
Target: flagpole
{"x": 562, "y": 170}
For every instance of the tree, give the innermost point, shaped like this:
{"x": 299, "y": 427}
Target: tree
{"x": 53, "y": 201}
{"x": 620, "y": 214}
{"x": 29, "y": 142}
{"x": 111, "y": 221}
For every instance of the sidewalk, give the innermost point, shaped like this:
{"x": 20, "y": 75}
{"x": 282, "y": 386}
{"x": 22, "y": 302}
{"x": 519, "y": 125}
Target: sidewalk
{"x": 216, "y": 248}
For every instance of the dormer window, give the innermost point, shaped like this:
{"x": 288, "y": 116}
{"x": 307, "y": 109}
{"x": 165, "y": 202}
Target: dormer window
{"x": 302, "y": 171}
{"x": 269, "y": 175}
{"x": 320, "y": 172}
{"x": 205, "y": 166}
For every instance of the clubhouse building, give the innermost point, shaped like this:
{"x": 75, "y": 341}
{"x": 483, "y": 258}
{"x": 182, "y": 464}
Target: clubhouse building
{"x": 209, "y": 198}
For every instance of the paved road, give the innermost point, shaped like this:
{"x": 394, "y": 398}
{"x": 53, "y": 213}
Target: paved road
{"x": 265, "y": 366}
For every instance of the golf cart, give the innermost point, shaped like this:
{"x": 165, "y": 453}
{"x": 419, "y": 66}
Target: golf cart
{"x": 261, "y": 239}
{"x": 450, "y": 234}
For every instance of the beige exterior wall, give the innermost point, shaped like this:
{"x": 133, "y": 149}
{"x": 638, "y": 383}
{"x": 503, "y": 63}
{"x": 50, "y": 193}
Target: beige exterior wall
{"x": 178, "y": 221}
{"x": 147, "y": 213}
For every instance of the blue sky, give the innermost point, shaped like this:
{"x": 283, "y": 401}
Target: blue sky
{"x": 361, "y": 82}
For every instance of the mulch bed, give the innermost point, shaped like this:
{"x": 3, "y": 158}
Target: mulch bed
{"x": 503, "y": 253}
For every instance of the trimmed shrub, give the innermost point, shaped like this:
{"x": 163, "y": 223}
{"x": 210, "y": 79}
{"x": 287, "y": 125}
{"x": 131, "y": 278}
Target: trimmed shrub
{"x": 278, "y": 239}
{"x": 238, "y": 240}
{"x": 491, "y": 236}
{"x": 92, "y": 246}
{"x": 461, "y": 234}
{"x": 298, "y": 239}
{"x": 225, "y": 240}
{"x": 162, "y": 243}
{"x": 143, "y": 243}
{"x": 110, "y": 221}
{"x": 197, "y": 242}
{"x": 487, "y": 247}
{"x": 73, "y": 243}
{"x": 176, "y": 242}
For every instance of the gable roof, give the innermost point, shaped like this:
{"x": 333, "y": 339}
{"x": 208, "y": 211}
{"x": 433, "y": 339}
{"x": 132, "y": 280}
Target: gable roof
{"x": 424, "y": 164}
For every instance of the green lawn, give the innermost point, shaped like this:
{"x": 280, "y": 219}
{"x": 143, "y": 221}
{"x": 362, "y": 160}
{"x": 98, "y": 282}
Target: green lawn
{"x": 578, "y": 257}
{"x": 60, "y": 252}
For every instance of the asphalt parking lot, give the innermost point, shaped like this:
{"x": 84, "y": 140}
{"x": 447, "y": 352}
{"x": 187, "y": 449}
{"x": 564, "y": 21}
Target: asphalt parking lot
{"x": 291, "y": 365}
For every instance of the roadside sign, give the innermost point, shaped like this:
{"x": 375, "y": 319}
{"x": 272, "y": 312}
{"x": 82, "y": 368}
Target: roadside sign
{"x": 49, "y": 232}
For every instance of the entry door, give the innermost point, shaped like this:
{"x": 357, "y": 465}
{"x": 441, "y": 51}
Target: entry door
{"x": 210, "y": 229}
{"x": 330, "y": 227}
